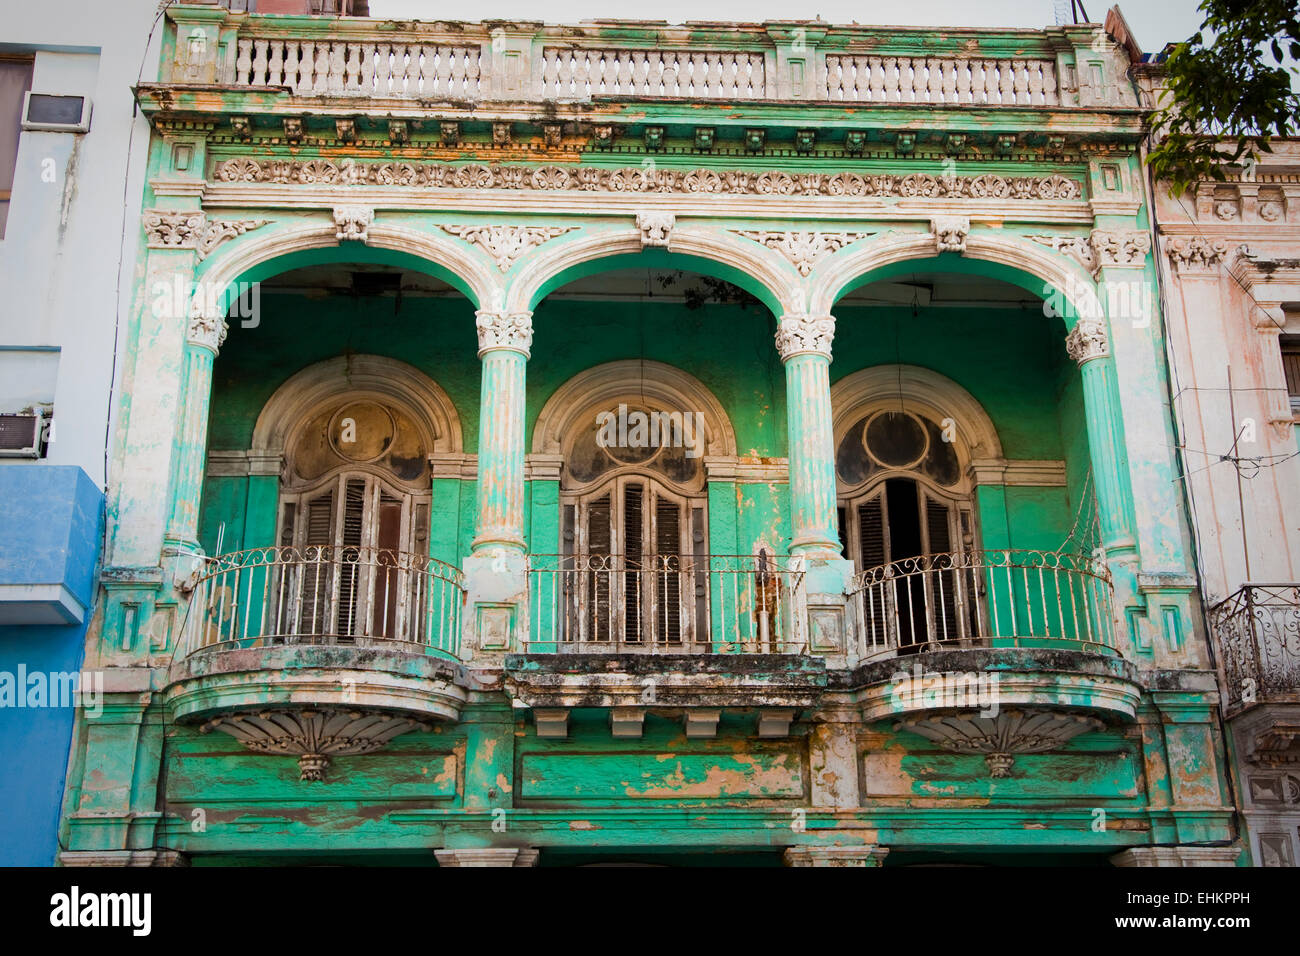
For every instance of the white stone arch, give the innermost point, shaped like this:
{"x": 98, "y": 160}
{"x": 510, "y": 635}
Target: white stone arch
{"x": 777, "y": 277}
{"x": 359, "y": 377}
{"x": 922, "y": 391}
{"x": 604, "y": 386}
{"x": 263, "y": 245}
{"x": 1067, "y": 277}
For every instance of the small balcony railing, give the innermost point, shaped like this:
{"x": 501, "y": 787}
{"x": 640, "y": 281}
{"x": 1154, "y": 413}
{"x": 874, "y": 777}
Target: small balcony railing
{"x": 984, "y": 599}
{"x": 1257, "y": 632}
{"x": 326, "y": 595}
{"x": 668, "y": 604}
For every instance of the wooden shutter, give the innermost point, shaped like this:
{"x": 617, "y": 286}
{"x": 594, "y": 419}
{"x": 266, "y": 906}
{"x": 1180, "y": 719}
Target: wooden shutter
{"x": 666, "y": 579}
{"x": 942, "y": 584}
{"x": 873, "y": 552}
{"x": 387, "y": 584}
{"x": 598, "y": 582}
{"x": 634, "y": 556}
{"x": 317, "y": 589}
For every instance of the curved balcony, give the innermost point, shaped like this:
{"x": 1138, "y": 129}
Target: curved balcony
{"x": 321, "y": 650}
{"x": 996, "y": 652}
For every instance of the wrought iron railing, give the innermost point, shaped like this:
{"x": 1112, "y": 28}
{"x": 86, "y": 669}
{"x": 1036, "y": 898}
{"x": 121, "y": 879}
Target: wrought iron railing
{"x": 984, "y": 599}
{"x": 610, "y": 603}
{"x": 325, "y": 595}
{"x": 1257, "y": 633}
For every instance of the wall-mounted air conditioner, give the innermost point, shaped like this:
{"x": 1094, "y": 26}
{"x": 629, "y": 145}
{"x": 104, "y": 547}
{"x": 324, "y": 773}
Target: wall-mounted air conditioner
{"x": 58, "y": 114}
{"x": 22, "y": 436}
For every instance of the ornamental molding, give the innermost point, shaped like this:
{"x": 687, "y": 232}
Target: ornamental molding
{"x": 165, "y": 229}
{"x": 1191, "y": 254}
{"x": 950, "y": 233}
{"x": 218, "y": 231}
{"x": 314, "y": 736}
{"x": 169, "y": 229}
{"x": 1087, "y": 340}
{"x": 803, "y": 249}
{"x": 352, "y": 223}
{"x": 505, "y": 244}
{"x": 635, "y": 179}
{"x": 805, "y": 334}
{"x": 509, "y": 331}
{"x": 1002, "y": 737}
{"x": 207, "y": 330}
{"x": 1076, "y": 247}
{"x": 1119, "y": 247}
{"x": 655, "y": 228}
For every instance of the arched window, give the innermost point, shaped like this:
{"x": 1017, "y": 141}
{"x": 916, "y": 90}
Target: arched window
{"x": 634, "y": 513}
{"x": 905, "y": 441}
{"x": 354, "y": 509}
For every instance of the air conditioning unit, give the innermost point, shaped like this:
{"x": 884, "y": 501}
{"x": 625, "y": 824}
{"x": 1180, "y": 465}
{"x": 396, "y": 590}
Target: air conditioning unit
{"x": 22, "y": 436}
{"x": 58, "y": 114}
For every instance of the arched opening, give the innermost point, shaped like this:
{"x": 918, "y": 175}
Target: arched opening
{"x": 963, "y": 468}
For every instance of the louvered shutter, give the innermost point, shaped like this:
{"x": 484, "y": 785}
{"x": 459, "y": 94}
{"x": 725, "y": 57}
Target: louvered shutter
{"x": 942, "y": 584}
{"x": 635, "y": 557}
{"x": 666, "y": 579}
{"x": 873, "y": 552}
{"x": 597, "y": 586}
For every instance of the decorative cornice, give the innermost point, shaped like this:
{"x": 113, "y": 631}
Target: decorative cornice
{"x": 950, "y": 233}
{"x": 805, "y": 334}
{"x": 505, "y": 331}
{"x": 1195, "y": 253}
{"x": 803, "y": 249}
{"x": 1087, "y": 340}
{"x": 505, "y": 244}
{"x": 1119, "y": 248}
{"x": 1076, "y": 247}
{"x": 655, "y": 228}
{"x": 634, "y": 179}
{"x": 353, "y": 223}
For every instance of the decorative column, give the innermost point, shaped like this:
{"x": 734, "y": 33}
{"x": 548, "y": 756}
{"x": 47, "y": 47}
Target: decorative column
{"x": 206, "y": 331}
{"x": 503, "y": 343}
{"x": 1089, "y": 345}
{"x": 496, "y": 573}
{"x": 804, "y": 343}
{"x": 805, "y": 346}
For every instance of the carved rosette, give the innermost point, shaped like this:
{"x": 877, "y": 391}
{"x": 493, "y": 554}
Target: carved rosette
{"x": 505, "y": 244}
{"x": 1195, "y": 253}
{"x": 1002, "y": 737}
{"x": 803, "y": 249}
{"x": 1087, "y": 340}
{"x": 1119, "y": 247}
{"x": 509, "y": 331}
{"x": 655, "y": 228}
{"x": 950, "y": 233}
{"x": 207, "y": 330}
{"x": 352, "y": 223}
{"x": 165, "y": 229}
{"x": 314, "y": 736}
{"x": 805, "y": 335}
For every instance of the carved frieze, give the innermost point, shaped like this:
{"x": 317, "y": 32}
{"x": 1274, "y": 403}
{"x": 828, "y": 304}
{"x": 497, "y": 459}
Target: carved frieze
{"x": 772, "y": 182}
{"x": 803, "y": 249}
{"x": 505, "y": 244}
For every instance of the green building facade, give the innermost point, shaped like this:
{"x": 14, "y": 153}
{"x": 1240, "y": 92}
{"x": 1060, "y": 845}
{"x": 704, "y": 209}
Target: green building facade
{"x": 630, "y": 443}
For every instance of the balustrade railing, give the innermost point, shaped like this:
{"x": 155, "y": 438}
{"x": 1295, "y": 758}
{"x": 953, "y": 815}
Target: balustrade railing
{"x": 1009, "y": 598}
{"x": 670, "y": 604}
{"x": 325, "y": 595}
{"x": 1257, "y": 633}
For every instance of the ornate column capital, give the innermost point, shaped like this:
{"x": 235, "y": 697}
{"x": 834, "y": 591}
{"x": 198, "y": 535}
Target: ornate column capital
{"x": 207, "y": 330}
{"x": 1195, "y": 254}
{"x": 1087, "y": 340}
{"x": 504, "y": 331}
{"x": 804, "y": 334}
{"x": 1119, "y": 248}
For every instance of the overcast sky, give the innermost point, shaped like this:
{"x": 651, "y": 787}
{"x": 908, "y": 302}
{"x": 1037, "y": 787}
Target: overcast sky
{"x": 1154, "y": 22}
